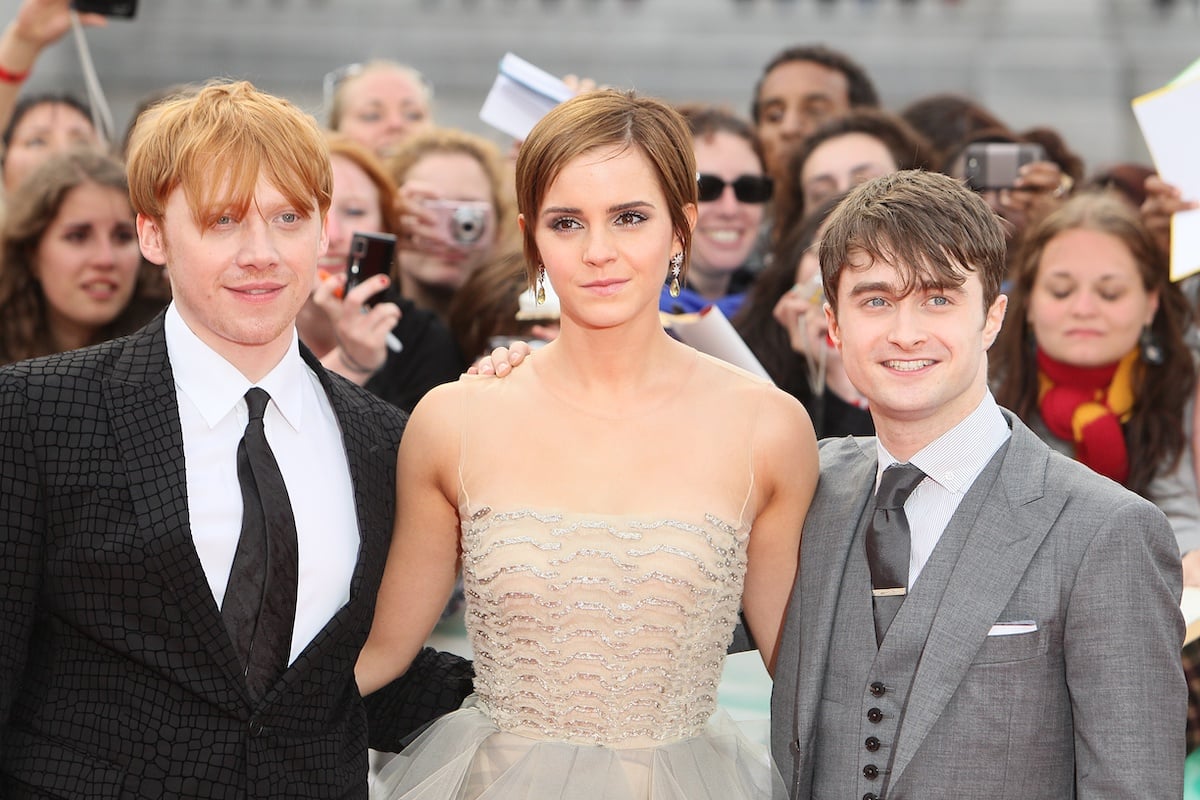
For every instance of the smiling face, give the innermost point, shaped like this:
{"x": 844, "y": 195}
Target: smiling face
{"x": 239, "y": 279}
{"x": 919, "y": 358}
{"x": 841, "y": 163}
{"x": 355, "y": 207}
{"x": 44, "y": 130}
{"x": 605, "y": 236}
{"x": 726, "y": 228}
{"x": 87, "y": 262}
{"x": 1088, "y": 303}
{"x": 382, "y": 106}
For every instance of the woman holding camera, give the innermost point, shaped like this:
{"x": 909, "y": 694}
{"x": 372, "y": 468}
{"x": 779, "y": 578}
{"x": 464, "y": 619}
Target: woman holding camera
{"x": 456, "y": 205}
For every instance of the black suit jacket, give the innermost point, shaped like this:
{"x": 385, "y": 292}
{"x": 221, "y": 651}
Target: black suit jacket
{"x": 117, "y": 676}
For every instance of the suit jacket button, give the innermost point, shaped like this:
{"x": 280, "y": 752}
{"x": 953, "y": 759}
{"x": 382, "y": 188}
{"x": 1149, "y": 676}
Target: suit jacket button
{"x": 256, "y": 727}
{"x": 875, "y": 715}
{"x": 878, "y": 689}
{"x": 794, "y": 746}
{"x": 870, "y": 796}
{"x": 872, "y": 743}
{"x": 870, "y": 772}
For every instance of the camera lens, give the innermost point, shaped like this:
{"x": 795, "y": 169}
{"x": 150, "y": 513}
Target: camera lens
{"x": 467, "y": 224}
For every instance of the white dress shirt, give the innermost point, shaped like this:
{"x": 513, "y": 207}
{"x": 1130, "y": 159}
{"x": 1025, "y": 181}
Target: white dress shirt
{"x": 306, "y": 439}
{"x": 951, "y": 464}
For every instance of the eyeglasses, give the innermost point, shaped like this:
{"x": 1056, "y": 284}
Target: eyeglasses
{"x": 747, "y": 188}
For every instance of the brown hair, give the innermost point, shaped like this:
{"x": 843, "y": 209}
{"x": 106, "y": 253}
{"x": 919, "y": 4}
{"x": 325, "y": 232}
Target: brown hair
{"x": 755, "y": 320}
{"x": 1155, "y": 430}
{"x": 931, "y": 227}
{"x": 486, "y": 304}
{"x": 216, "y": 145}
{"x": 706, "y": 121}
{"x": 24, "y": 328}
{"x": 608, "y": 119}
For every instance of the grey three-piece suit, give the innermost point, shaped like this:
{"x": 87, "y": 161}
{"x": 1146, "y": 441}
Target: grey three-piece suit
{"x": 1036, "y": 656}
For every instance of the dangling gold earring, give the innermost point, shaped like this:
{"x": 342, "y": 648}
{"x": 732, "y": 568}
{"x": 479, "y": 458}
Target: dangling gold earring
{"x": 676, "y": 268}
{"x": 540, "y": 296}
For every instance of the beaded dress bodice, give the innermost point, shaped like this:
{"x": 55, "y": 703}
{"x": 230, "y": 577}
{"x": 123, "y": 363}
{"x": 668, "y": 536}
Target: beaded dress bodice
{"x": 603, "y": 555}
{"x": 600, "y": 630}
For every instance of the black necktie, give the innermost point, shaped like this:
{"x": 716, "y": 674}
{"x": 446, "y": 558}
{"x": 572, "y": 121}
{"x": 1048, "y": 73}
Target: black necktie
{"x": 259, "y": 608}
{"x": 888, "y": 543}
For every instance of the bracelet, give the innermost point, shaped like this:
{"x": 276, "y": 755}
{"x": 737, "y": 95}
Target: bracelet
{"x": 13, "y": 77}
{"x": 353, "y": 365}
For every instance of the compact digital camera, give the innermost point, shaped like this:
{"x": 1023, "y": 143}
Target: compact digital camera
{"x": 462, "y": 223}
{"x": 995, "y": 165}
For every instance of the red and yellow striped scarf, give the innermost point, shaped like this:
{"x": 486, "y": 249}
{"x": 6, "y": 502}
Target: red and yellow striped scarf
{"x": 1087, "y": 405}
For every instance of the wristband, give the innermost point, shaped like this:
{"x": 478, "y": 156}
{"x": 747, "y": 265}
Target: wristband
{"x": 13, "y": 77}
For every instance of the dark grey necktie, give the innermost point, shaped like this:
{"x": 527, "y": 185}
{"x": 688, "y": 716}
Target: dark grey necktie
{"x": 888, "y": 543}
{"x": 259, "y": 608}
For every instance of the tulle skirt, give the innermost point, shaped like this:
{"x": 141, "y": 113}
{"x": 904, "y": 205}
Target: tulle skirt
{"x": 464, "y": 756}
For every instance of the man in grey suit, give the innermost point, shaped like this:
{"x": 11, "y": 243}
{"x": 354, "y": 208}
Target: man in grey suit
{"x": 1035, "y": 649}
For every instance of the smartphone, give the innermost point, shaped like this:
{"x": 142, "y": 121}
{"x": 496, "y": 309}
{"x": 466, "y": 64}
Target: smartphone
{"x": 995, "y": 165}
{"x": 109, "y": 8}
{"x": 370, "y": 254}
{"x": 462, "y": 223}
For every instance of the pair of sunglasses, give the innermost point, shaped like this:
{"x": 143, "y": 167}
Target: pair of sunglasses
{"x": 747, "y": 188}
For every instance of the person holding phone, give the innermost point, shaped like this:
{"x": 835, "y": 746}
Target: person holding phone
{"x": 1021, "y": 191}
{"x": 369, "y": 333}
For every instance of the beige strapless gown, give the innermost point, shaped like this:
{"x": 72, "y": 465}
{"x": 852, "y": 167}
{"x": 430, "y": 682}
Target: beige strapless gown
{"x": 603, "y": 563}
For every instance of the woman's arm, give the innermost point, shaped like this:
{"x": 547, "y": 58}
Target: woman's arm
{"x": 785, "y": 458}
{"x": 37, "y": 25}
{"x": 423, "y": 559}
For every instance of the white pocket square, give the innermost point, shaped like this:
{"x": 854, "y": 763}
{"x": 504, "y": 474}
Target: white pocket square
{"x": 1013, "y": 628}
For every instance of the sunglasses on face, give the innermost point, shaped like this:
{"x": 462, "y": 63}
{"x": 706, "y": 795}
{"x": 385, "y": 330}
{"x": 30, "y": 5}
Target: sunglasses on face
{"x": 747, "y": 188}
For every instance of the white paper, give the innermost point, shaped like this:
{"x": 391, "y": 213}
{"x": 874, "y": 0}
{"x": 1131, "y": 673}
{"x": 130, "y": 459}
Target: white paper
{"x": 709, "y": 332}
{"x": 1169, "y": 118}
{"x": 1189, "y": 604}
{"x": 520, "y": 96}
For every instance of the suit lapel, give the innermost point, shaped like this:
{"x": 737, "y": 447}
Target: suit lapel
{"x": 846, "y": 484}
{"x": 144, "y": 413}
{"x": 1004, "y": 538}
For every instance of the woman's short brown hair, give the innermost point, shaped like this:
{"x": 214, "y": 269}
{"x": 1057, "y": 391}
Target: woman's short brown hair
{"x": 608, "y": 119}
